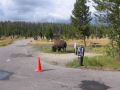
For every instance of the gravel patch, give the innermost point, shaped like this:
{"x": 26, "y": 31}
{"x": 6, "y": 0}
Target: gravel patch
{"x": 62, "y": 59}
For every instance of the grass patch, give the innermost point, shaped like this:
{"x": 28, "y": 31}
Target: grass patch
{"x": 45, "y": 45}
{"x": 48, "y": 49}
{"x": 42, "y": 42}
{"x": 102, "y": 42}
{"x": 101, "y": 49}
{"x": 97, "y": 62}
{"x": 5, "y": 42}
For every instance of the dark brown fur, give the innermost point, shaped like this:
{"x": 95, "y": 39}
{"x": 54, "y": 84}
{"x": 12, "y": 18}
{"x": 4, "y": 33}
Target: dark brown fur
{"x": 59, "y": 45}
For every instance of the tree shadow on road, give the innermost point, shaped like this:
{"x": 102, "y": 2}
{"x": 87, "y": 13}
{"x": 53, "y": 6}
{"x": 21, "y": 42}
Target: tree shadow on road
{"x": 93, "y": 85}
{"x": 5, "y": 75}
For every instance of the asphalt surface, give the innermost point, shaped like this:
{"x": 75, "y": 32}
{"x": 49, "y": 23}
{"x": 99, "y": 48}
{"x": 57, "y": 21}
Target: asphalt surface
{"x": 17, "y": 72}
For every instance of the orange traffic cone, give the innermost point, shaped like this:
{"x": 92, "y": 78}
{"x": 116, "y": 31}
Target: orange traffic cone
{"x": 39, "y": 67}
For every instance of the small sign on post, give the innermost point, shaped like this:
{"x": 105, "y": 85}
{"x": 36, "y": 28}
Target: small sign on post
{"x": 80, "y": 53}
{"x": 75, "y": 48}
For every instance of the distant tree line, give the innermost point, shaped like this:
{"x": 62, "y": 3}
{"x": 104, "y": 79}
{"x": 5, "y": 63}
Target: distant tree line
{"x": 36, "y": 30}
{"x": 45, "y": 30}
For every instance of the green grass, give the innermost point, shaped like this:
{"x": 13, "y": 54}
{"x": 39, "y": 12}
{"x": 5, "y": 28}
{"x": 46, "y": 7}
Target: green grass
{"x": 98, "y": 62}
{"x": 47, "y": 49}
{"x": 101, "y": 49}
{"x": 70, "y": 49}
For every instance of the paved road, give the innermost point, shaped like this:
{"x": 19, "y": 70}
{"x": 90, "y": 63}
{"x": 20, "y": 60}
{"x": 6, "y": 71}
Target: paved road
{"x": 17, "y": 72}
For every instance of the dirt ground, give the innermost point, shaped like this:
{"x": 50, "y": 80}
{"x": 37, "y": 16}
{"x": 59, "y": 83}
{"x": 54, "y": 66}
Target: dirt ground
{"x": 102, "y": 41}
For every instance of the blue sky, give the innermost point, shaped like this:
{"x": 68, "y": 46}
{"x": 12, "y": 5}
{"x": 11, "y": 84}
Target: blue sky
{"x": 38, "y": 10}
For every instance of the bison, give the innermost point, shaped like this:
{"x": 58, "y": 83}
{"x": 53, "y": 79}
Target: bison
{"x": 59, "y": 45}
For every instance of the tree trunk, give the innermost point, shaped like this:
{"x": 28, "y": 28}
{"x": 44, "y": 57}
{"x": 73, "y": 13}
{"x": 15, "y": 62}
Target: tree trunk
{"x": 84, "y": 41}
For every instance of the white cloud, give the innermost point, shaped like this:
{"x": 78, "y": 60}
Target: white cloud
{"x": 37, "y": 10}
{"x": 91, "y": 4}
{"x": 62, "y": 9}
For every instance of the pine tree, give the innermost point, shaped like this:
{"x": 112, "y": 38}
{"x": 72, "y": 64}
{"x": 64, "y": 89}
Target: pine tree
{"x": 81, "y": 18}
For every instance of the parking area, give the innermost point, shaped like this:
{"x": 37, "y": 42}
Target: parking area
{"x": 17, "y": 72}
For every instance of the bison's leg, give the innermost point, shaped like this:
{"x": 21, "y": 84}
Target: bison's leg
{"x": 65, "y": 49}
{"x": 53, "y": 48}
{"x": 59, "y": 49}
{"x": 65, "y": 45}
